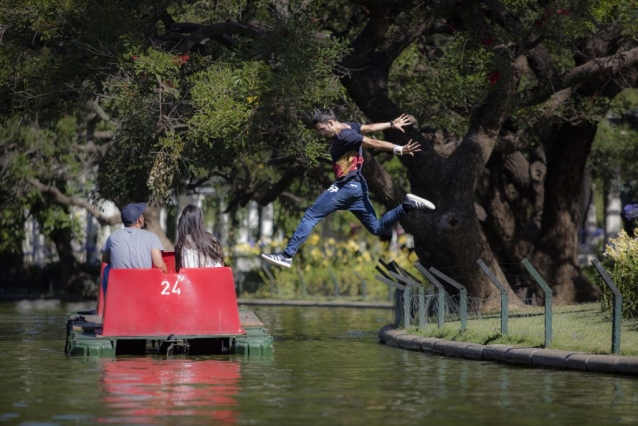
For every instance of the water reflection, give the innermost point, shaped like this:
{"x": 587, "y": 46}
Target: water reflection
{"x": 150, "y": 391}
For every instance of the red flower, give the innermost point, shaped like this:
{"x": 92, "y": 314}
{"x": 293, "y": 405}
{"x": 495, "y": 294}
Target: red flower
{"x": 487, "y": 41}
{"x": 180, "y": 60}
{"x": 134, "y": 58}
{"x": 493, "y": 77}
{"x": 562, "y": 12}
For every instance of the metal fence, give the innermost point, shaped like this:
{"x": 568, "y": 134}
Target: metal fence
{"x": 432, "y": 301}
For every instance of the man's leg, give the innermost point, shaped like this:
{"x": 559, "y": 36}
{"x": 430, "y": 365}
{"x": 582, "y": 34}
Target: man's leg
{"x": 332, "y": 199}
{"x": 364, "y": 211}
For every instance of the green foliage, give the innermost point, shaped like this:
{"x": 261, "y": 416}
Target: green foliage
{"x": 443, "y": 92}
{"x": 225, "y": 99}
{"x": 186, "y": 116}
{"x": 623, "y": 252}
{"x": 615, "y": 144}
{"x": 46, "y": 154}
{"x": 12, "y": 229}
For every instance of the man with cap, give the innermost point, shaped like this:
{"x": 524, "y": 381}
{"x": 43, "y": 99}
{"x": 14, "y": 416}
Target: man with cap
{"x": 133, "y": 247}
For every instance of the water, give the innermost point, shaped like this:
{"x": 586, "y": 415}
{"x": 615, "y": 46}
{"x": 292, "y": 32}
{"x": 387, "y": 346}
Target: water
{"x": 328, "y": 368}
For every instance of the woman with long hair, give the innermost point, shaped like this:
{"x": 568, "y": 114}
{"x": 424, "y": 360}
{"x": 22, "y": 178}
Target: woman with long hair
{"x": 196, "y": 248}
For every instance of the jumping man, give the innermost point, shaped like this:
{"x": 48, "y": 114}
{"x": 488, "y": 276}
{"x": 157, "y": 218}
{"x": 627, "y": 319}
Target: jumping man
{"x": 350, "y": 190}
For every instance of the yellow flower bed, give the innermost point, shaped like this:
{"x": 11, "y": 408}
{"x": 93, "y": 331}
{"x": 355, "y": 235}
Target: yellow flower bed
{"x": 320, "y": 262}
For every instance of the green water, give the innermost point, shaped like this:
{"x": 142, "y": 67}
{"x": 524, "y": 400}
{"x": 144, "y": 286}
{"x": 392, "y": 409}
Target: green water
{"x": 328, "y": 368}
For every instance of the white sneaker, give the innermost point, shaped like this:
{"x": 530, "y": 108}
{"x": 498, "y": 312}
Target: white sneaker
{"x": 418, "y": 202}
{"x": 277, "y": 259}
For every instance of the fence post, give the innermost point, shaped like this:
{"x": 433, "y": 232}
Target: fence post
{"x": 405, "y": 278}
{"x": 385, "y": 278}
{"x": 334, "y": 280}
{"x": 504, "y": 296}
{"x": 440, "y": 291}
{"x": 406, "y": 308}
{"x": 462, "y": 291}
{"x": 302, "y": 281}
{"x": 548, "y": 300}
{"x": 617, "y": 316}
{"x": 422, "y": 322}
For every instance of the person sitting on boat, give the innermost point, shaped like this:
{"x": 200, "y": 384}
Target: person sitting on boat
{"x": 196, "y": 248}
{"x": 132, "y": 246}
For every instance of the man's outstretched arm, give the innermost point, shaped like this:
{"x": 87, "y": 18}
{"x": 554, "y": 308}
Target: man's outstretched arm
{"x": 409, "y": 148}
{"x": 397, "y": 123}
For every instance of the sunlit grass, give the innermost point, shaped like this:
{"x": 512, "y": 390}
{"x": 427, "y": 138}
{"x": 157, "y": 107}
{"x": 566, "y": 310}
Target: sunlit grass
{"x": 580, "y": 328}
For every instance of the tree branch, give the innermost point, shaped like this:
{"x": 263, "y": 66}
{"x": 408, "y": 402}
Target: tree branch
{"x": 200, "y": 33}
{"x": 596, "y": 68}
{"x": 511, "y": 24}
{"x": 103, "y": 115}
{"x": 402, "y": 40}
{"x": 75, "y": 201}
{"x": 510, "y": 143}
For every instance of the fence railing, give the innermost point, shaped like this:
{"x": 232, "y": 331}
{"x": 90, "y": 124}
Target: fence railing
{"x": 436, "y": 298}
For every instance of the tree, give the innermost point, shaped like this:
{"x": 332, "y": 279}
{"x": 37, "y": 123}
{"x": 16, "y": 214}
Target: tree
{"x": 501, "y": 120}
{"x": 143, "y": 111}
{"x": 190, "y": 90}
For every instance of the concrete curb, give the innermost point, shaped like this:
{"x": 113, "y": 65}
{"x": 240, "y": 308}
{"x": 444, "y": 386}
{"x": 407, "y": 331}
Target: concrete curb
{"x": 314, "y": 303}
{"x": 533, "y": 357}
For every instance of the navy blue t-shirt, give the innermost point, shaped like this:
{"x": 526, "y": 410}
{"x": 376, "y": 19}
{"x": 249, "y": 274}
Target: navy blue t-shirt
{"x": 345, "y": 151}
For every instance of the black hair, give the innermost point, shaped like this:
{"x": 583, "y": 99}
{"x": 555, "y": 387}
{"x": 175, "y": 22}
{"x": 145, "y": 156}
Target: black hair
{"x": 323, "y": 115}
{"x": 191, "y": 234}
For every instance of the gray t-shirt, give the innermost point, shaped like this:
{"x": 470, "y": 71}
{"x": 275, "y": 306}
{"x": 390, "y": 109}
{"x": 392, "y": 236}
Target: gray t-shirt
{"x": 131, "y": 248}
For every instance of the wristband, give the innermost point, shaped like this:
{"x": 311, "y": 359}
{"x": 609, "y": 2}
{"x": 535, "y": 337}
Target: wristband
{"x": 391, "y": 124}
{"x": 397, "y": 150}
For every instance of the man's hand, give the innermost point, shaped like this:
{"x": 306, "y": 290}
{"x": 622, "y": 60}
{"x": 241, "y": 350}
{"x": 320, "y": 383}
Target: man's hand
{"x": 399, "y": 123}
{"x": 410, "y": 148}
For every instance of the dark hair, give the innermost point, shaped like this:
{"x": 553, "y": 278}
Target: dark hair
{"x": 191, "y": 224}
{"x": 323, "y": 115}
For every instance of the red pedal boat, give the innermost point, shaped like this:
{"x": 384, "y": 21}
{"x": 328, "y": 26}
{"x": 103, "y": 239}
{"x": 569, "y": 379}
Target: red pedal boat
{"x": 145, "y": 311}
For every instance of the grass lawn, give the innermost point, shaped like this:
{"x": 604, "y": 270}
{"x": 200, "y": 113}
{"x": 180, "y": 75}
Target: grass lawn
{"x": 581, "y": 328}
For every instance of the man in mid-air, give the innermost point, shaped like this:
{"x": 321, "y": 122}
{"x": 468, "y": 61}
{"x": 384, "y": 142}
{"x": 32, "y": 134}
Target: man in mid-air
{"x": 350, "y": 190}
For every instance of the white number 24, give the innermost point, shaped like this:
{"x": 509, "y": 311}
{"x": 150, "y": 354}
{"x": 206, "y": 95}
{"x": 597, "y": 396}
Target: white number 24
{"x": 167, "y": 286}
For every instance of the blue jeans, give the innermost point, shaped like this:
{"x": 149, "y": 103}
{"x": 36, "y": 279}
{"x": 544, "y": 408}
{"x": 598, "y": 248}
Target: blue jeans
{"x": 351, "y": 195}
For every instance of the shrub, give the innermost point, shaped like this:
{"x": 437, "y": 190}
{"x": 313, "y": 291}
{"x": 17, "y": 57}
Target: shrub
{"x": 623, "y": 252}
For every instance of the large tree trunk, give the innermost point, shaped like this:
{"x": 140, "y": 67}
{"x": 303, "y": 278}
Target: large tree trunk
{"x": 557, "y": 250}
{"x": 534, "y": 208}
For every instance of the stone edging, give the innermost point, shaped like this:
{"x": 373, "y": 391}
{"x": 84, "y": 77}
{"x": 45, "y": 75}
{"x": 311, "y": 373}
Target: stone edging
{"x": 505, "y": 353}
